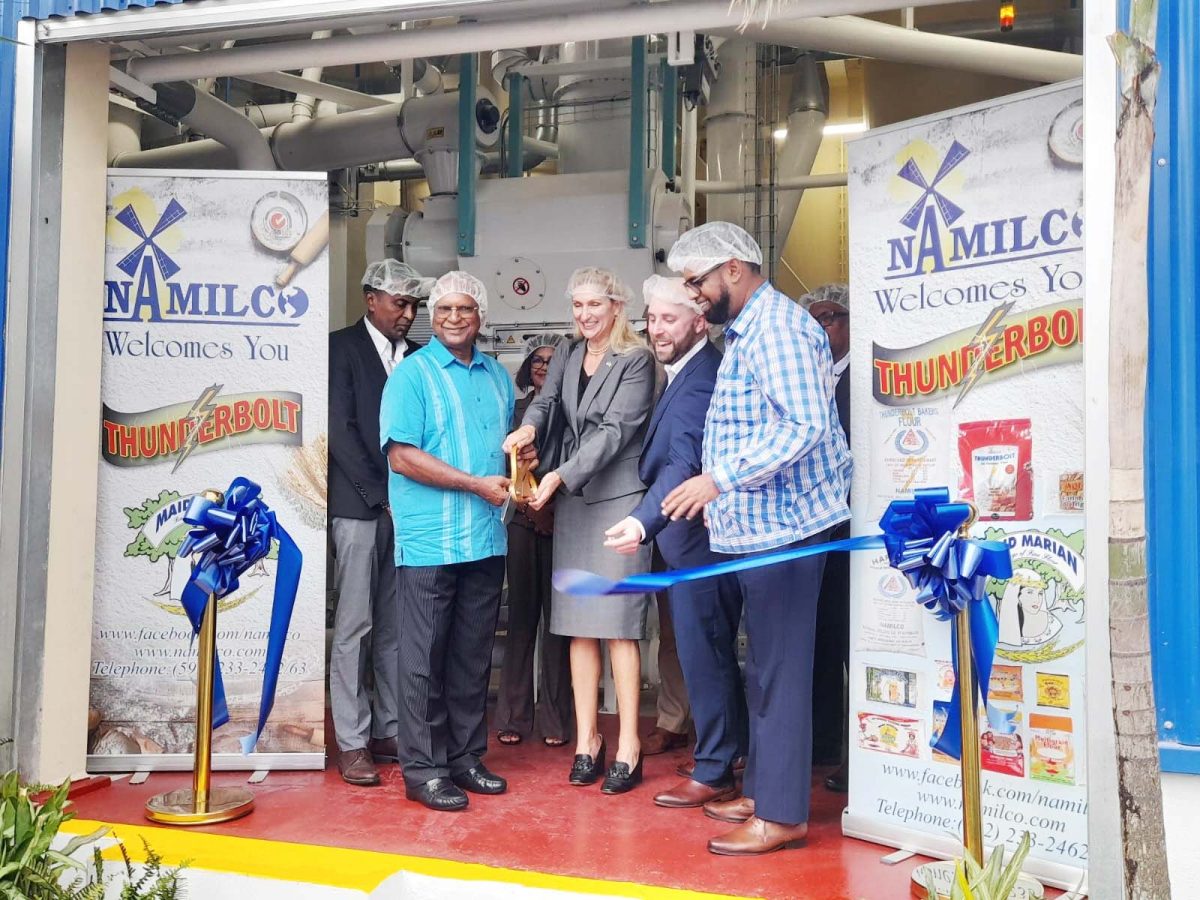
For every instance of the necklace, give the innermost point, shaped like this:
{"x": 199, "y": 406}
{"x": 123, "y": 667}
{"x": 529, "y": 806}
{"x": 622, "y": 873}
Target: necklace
{"x": 599, "y": 352}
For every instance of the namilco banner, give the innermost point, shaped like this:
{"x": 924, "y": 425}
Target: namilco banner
{"x": 215, "y": 359}
{"x": 966, "y": 273}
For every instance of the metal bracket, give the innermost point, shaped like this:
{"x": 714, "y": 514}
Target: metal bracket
{"x": 258, "y": 776}
{"x": 637, "y": 144}
{"x": 681, "y": 48}
{"x": 467, "y": 170}
{"x": 139, "y": 777}
{"x": 130, "y": 86}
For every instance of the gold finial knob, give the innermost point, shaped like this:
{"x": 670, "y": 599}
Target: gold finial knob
{"x": 964, "y": 530}
{"x": 217, "y": 497}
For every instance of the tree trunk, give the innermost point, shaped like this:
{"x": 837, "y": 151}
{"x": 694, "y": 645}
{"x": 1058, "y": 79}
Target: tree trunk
{"x": 1134, "y": 714}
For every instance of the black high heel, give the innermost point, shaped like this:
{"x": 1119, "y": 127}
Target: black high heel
{"x": 620, "y": 779}
{"x": 586, "y": 769}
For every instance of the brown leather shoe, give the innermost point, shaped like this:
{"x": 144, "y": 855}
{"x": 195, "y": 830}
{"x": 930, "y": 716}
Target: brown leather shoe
{"x": 738, "y": 810}
{"x": 689, "y": 794}
{"x": 383, "y": 750}
{"x": 756, "y": 836}
{"x": 660, "y": 741}
{"x": 686, "y": 770}
{"x": 357, "y": 767}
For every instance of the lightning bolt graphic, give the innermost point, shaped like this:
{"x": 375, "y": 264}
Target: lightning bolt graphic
{"x": 200, "y": 413}
{"x": 988, "y": 335}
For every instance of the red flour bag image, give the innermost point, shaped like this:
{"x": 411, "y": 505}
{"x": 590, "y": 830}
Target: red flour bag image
{"x": 997, "y": 472}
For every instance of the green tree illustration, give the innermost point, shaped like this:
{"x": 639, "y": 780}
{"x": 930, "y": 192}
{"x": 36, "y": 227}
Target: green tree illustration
{"x": 138, "y": 516}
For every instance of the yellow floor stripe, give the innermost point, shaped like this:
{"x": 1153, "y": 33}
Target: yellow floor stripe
{"x": 362, "y": 870}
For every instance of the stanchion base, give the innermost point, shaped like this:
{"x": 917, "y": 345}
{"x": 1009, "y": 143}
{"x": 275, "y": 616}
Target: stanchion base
{"x": 179, "y": 807}
{"x": 1026, "y": 888}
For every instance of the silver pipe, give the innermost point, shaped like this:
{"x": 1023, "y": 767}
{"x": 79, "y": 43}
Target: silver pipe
{"x": 836, "y": 179}
{"x": 181, "y": 102}
{"x": 305, "y": 105}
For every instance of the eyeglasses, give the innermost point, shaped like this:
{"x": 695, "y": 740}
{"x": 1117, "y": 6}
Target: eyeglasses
{"x": 445, "y": 312}
{"x": 693, "y": 284}
{"x": 827, "y": 319}
{"x": 540, "y": 362}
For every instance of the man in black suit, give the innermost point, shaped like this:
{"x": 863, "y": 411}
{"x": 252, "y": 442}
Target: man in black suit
{"x": 705, "y": 614}
{"x": 830, "y": 306}
{"x": 365, "y": 629}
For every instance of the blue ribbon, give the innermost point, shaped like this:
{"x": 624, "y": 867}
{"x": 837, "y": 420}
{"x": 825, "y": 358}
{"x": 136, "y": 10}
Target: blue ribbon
{"x": 231, "y": 537}
{"x": 921, "y": 538}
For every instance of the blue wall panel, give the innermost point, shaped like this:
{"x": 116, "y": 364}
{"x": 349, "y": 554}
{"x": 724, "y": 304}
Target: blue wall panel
{"x": 1173, "y": 400}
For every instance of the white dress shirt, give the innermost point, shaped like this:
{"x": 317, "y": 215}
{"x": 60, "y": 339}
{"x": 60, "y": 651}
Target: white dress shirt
{"x": 389, "y": 353}
{"x": 840, "y": 367}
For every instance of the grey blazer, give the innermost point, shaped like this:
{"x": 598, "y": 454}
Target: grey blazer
{"x": 602, "y": 431}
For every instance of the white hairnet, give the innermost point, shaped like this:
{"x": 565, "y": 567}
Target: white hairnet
{"x": 456, "y": 282}
{"x": 710, "y": 245}
{"x": 538, "y": 341}
{"x": 394, "y": 277}
{"x": 668, "y": 290}
{"x": 834, "y": 292}
{"x": 593, "y": 281}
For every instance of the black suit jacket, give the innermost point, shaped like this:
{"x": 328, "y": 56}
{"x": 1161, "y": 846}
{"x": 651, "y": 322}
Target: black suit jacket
{"x": 672, "y": 454}
{"x": 841, "y": 396}
{"x": 358, "y": 469}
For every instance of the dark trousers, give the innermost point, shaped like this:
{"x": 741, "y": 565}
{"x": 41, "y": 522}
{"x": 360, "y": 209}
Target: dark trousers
{"x": 705, "y": 615}
{"x": 447, "y": 626}
{"x": 781, "y": 616}
{"x": 529, "y": 598}
{"x": 831, "y": 657}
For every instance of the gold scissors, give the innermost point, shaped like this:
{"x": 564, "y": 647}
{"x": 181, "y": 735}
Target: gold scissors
{"x": 522, "y": 486}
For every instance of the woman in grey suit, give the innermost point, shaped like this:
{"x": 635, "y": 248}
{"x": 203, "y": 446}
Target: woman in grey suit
{"x": 597, "y": 398}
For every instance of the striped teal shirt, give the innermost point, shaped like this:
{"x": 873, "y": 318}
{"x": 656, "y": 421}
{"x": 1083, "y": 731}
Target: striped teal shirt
{"x": 459, "y": 414}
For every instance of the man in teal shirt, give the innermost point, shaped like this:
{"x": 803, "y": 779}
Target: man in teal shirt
{"x": 444, "y": 414}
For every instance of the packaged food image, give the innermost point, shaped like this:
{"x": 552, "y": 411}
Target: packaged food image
{"x": 1051, "y": 749}
{"x": 889, "y": 734}
{"x": 894, "y": 686}
{"x": 997, "y": 471}
{"x": 1054, "y": 690}
{"x": 1006, "y": 684}
{"x": 1002, "y": 753}
{"x": 945, "y": 678}
{"x": 1070, "y": 492}
{"x": 941, "y": 710}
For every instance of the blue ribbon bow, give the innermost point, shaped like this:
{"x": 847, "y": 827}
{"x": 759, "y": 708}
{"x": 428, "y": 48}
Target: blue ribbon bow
{"x": 230, "y": 537}
{"x": 949, "y": 573}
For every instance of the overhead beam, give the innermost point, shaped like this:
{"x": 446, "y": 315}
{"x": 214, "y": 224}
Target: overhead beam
{"x": 294, "y": 84}
{"x": 475, "y": 37}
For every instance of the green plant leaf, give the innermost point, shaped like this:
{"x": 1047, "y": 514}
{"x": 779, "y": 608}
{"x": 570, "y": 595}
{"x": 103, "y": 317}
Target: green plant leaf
{"x": 1008, "y": 880}
{"x": 85, "y": 839}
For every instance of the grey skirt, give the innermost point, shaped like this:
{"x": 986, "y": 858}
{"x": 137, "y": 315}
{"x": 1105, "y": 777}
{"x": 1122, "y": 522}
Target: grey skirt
{"x": 579, "y": 544}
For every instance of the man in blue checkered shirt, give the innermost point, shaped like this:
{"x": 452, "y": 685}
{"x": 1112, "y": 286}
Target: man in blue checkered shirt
{"x": 776, "y": 475}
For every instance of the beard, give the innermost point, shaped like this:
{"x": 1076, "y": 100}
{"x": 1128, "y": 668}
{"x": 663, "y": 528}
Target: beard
{"x": 718, "y": 313}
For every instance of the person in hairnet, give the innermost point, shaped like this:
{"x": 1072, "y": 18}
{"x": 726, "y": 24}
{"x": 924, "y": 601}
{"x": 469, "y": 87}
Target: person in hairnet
{"x": 445, "y": 411}
{"x": 530, "y": 549}
{"x": 776, "y": 473}
{"x": 830, "y": 306}
{"x": 364, "y": 626}
{"x": 597, "y": 400}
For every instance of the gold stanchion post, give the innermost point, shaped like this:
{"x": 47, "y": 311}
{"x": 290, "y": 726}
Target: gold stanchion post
{"x": 968, "y": 692}
{"x": 203, "y": 804}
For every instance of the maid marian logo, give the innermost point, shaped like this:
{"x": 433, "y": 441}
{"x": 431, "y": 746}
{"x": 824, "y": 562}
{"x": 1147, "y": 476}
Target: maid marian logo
{"x": 941, "y": 241}
{"x": 151, "y": 293}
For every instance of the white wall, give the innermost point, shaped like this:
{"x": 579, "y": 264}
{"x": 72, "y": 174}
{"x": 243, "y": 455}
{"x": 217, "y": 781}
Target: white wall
{"x": 1181, "y": 810}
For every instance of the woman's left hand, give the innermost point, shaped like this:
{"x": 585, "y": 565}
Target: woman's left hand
{"x": 545, "y": 490}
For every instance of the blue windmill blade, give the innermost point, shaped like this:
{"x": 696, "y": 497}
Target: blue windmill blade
{"x": 172, "y": 214}
{"x": 130, "y": 262}
{"x": 956, "y": 154}
{"x": 129, "y": 218}
{"x": 912, "y": 218}
{"x": 911, "y": 172}
{"x": 950, "y": 210}
{"x": 166, "y": 265}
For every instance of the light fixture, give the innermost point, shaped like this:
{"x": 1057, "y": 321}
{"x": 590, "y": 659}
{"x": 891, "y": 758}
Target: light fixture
{"x": 1008, "y": 14}
{"x": 845, "y": 128}
{"x": 779, "y": 134}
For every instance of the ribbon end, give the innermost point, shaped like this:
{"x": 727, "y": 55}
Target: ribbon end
{"x": 249, "y": 742}
{"x": 580, "y": 583}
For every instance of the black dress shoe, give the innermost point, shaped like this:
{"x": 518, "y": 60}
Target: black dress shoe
{"x": 839, "y": 781}
{"x": 586, "y": 769}
{"x": 620, "y": 779}
{"x": 478, "y": 780}
{"x": 439, "y": 794}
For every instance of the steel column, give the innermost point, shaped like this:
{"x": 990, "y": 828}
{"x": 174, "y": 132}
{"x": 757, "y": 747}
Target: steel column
{"x": 516, "y": 117}
{"x": 467, "y": 168}
{"x": 637, "y": 144}
{"x": 670, "y": 85}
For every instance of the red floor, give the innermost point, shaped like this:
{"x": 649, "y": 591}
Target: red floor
{"x": 543, "y": 824}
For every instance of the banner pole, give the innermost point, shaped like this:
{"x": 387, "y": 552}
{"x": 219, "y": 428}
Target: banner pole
{"x": 968, "y": 691}
{"x": 203, "y": 804}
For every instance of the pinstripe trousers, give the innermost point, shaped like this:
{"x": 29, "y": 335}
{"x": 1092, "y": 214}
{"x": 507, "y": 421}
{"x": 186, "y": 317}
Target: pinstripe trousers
{"x": 447, "y": 627}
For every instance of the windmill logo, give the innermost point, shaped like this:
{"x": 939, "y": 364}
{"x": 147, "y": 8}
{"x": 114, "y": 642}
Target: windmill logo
{"x": 129, "y": 218}
{"x": 911, "y": 172}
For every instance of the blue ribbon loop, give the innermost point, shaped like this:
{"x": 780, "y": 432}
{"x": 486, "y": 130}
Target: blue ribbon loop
{"x": 229, "y": 538}
{"x": 921, "y": 539}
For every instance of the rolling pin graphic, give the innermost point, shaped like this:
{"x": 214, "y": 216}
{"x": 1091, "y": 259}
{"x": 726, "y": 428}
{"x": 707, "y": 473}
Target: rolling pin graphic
{"x": 305, "y": 251}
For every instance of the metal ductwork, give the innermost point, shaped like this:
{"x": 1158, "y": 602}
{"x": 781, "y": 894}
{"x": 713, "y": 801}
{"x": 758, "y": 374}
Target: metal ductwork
{"x": 808, "y": 108}
{"x": 180, "y": 103}
{"x": 729, "y": 125}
